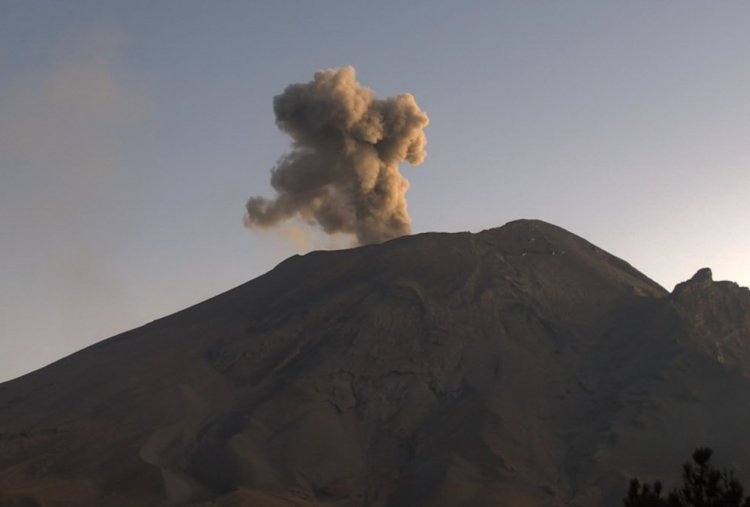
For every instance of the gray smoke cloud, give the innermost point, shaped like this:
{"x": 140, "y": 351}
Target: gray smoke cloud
{"x": 342, "y": 172}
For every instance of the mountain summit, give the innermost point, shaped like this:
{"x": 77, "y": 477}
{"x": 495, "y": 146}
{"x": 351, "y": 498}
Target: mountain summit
{"x": 517, "y": 366}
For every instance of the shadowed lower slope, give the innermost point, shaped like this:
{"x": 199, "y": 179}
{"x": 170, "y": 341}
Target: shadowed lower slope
{"x": 517, "y": 366}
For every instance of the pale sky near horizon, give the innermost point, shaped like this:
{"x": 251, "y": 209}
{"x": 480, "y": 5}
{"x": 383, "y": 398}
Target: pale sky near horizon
{"x": 133, "y": 132}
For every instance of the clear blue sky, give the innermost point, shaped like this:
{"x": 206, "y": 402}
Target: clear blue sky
{"x": 132, "y": 133}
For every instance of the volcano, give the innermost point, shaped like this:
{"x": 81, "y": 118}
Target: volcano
{"x": 517, "y": 366}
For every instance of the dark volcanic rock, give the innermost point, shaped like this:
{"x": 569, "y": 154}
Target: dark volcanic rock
{"x": 717, "y": 317}
{"x": 521, "y": 365}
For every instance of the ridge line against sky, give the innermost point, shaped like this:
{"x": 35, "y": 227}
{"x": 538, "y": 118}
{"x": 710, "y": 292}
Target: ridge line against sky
{"x": 132, "y": 133}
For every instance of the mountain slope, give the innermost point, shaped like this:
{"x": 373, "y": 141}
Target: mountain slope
{"x": 517, "y": 366}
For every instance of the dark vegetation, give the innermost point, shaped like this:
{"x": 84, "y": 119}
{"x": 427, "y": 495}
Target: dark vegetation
{"x": 702, "y": 486}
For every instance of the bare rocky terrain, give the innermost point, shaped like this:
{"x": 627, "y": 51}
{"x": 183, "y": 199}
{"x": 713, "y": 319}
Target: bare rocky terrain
{"x": 517, "y": 366}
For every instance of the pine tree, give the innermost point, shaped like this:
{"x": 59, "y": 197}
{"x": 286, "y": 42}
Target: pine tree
{"x": 702, "y": 486}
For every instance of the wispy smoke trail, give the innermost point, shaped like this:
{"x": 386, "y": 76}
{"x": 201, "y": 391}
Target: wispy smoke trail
{"x": 342, "y": 172}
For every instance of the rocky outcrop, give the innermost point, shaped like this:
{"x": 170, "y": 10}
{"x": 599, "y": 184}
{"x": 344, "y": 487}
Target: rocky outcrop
{"x": 716, "y": 317}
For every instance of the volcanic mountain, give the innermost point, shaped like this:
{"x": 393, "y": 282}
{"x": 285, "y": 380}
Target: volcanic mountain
{"x": 517, "y": 366}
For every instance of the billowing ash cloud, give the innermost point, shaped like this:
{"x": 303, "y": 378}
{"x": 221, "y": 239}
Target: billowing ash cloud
{"x": 342, "y": 172}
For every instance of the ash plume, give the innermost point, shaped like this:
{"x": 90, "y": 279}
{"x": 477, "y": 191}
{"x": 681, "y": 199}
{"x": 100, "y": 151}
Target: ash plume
{"x": 342, "y": 172}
